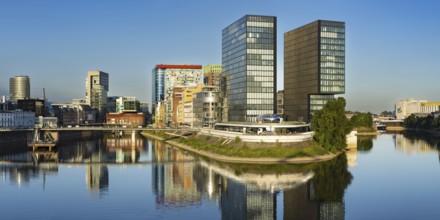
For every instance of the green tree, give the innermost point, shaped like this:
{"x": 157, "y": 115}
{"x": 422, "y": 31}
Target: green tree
{"x": 362, "y": 120}
{"x": 331, "y": 125}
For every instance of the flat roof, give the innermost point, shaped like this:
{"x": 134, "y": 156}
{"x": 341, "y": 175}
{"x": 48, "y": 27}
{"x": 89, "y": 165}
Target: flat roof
{"x": 259, "y": 125}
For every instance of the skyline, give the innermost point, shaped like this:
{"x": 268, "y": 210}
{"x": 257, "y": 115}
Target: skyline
{"x": 53, "y": 41}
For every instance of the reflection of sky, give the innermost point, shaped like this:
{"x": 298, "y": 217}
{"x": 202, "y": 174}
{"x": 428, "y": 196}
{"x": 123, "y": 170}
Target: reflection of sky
{"x": 389, "y": 184}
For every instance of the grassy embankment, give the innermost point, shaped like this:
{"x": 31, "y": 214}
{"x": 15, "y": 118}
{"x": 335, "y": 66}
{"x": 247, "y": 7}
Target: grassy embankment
{"x": 237, "y": 148}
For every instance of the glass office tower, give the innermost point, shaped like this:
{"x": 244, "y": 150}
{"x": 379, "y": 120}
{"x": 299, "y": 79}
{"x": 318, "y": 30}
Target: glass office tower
{"x": 314, "y": 67}
{"x": 249, "y": 61}
{"x": 97, "y": 85}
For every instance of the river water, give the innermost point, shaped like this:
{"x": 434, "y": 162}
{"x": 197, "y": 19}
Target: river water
{"x": 391, "y": 176}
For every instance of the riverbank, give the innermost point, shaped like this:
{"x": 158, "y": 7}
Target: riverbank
{"x": 241, "y": 153}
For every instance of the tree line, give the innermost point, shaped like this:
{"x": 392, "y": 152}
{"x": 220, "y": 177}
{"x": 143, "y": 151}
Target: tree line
{"x": 427, "y": 123}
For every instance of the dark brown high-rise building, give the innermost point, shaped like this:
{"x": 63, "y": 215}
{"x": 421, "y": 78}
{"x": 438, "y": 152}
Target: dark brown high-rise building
{"x": 314, "y": 67}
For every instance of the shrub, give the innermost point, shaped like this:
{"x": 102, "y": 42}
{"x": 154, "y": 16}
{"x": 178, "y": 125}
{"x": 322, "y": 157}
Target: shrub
{"x": 237, "y": 139}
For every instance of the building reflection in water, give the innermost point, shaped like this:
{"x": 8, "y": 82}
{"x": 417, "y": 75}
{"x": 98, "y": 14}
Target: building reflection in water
{"x": 416, "y": 143}
{"x": 173, "y": 183}
{"x": 315, "y": 193}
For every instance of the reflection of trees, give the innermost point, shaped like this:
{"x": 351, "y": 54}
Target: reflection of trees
{"x": 330, "y": 180}
{"x": 364, "y": 144}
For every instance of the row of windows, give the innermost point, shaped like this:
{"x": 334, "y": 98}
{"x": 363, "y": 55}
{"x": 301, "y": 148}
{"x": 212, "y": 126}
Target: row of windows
{"x": 333, "y": 29}
{"x": 332, "y": 53}
{"x": 332, "y": 77}
{"x": 332, "y": 71}
{"x": 260, "y": 40}
{"x": 260, "y": 84}
{"x": 259, "y": 79}
{"x": 332, "y": 83}
{"x": 260, "y": 30}
{"x": 332, "y": 41}
{"x": 260, "y": 46}
{"x": 332, "y": 35}
{"x": 261, "y": 35}
{"x": 336, "y": 89}
{"x": 266, "y": 68}
{"x": 331, "y": 64}
{"x": 258, "y": 112}
{"x": 259, "y": 73}
{"x": 260, "y": 89}
{"x": 333, "y": 59}
{"x": 260, "y": 62}
{"x": 260, "y": 101}
{"x": 259, "y": 24}
{"x": 252, "y": 95}
{"x": 259, "y": 51}
{"x": 332, "y": 47}
{"x": 260, "y": 18}
{"x": 259, "y": 57}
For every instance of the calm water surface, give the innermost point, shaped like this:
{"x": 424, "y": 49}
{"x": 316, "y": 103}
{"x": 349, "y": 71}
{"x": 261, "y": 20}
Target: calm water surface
{"x": 393, "y": 176}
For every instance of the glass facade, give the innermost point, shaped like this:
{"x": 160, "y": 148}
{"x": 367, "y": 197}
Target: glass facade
{"x": 249, "y": 60}
{"x": 332, "y": 59}
{"x": 314, "y": 68}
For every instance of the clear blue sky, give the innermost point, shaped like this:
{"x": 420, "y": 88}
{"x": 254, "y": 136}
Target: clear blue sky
{"x": 392, "y": 47}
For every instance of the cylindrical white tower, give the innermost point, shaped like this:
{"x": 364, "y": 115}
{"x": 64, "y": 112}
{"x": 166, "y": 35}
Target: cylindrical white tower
{"x": 19, "y": 88}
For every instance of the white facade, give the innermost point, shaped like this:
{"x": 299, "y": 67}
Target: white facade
{"x": 406, "y": 107}
{"x": 17, "y": 119}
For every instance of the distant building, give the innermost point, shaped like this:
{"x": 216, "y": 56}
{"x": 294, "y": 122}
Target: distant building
{"x": 74, "y": 114}
{"x": 38, "y": 106}
{"x": 19, "y": 88}
{"x": 166, "y": 76}
{"x": 314, "y": 67}
{"x": 17, "y": 119}
{"x": 212, "y": 74}
{"x": 4, "y": 104}
{"x": 280, "y": 103}
{"x": 127, "y": 104}
{"x": 111, "y": 103}
{"x": 406, "y": 107}
{"x": 97, "y": 86}
{"x": 249, "y": 50}
{"x": 127, "y": 119}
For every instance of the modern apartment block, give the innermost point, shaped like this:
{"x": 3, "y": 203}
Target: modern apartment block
{"x": 249, "y": 60}
{"x": 166, "y": 76}
{"x": 314, "y": 67}
{"x": 212, "y": 74}
{"x": 19, "y": 88}
{"x": 97, "y": 85}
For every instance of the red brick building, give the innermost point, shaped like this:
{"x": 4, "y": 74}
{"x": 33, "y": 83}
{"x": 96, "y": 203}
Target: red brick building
{"x": 129, "y": 119}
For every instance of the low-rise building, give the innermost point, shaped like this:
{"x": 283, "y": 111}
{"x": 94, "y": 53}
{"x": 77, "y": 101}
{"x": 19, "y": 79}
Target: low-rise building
{"x": 34, "y": 105}
{"x": 17, "y": 119}
{"x": 406, "y": 107}
{"x": 74, "y": 114}
{"x": 126, "y": 119}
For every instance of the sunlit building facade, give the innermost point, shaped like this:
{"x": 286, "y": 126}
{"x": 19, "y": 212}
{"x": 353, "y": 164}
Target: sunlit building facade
{"x": 212, "y": 74}
{"x": 166, "y": 76}
{"x": 97, "y": 86}
{"x": 249, "y": 60}
{"x": 404, "y": 108}
{"x": 314, "y": 67}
